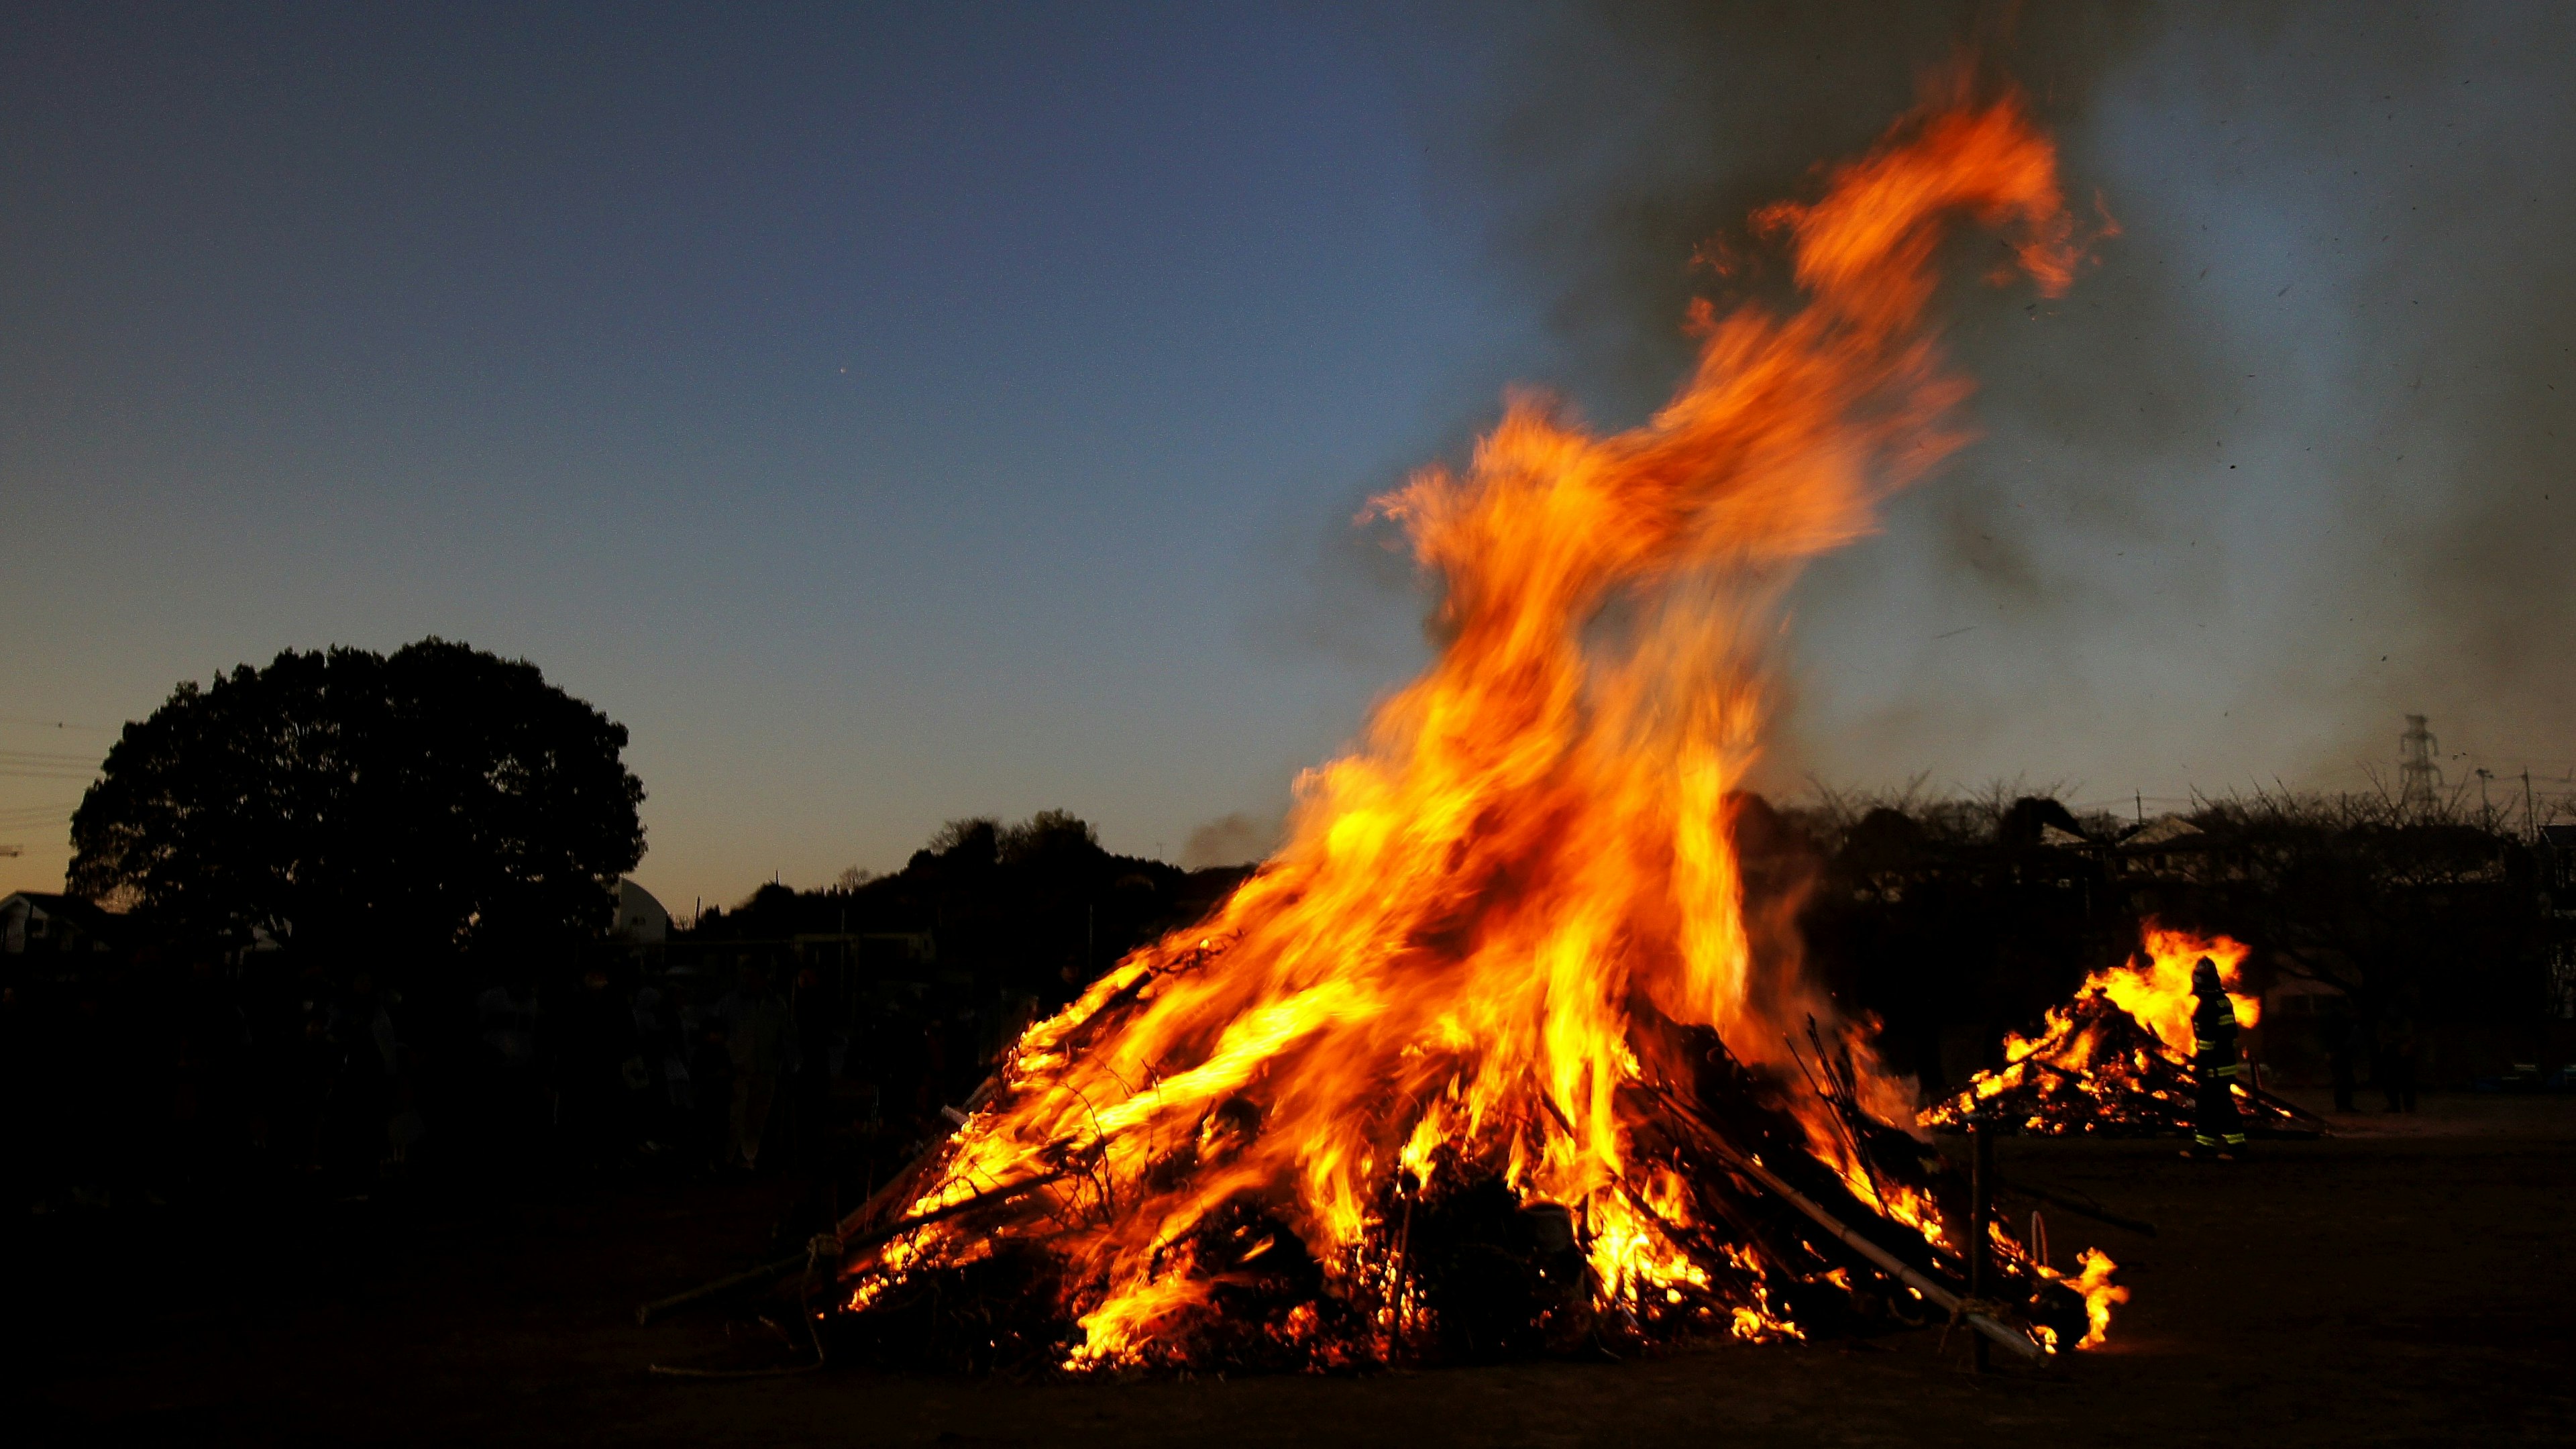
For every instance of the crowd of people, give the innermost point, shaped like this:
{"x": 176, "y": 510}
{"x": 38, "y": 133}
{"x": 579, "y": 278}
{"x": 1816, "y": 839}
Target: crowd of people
{"x": 146, "y": 1080}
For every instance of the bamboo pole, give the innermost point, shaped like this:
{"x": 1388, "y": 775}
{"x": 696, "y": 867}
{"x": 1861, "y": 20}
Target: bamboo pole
{"x": 906, "y": 1177}
{"x": 1940, "y": 1297}
{"x": 843, "y": 1231}
{"x": 1981, "y": 1211}
{"x": 2095, "y": 1211}
{"x": 764, "y": 1272}
{"x": 829, "y": 1244}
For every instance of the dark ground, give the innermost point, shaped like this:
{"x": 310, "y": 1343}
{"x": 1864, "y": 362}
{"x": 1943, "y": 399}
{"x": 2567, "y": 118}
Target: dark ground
{"x": 2409, "y": 1284}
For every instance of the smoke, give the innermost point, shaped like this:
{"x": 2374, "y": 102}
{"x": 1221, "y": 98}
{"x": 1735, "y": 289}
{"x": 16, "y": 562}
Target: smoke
{"x": 2291, "y": 460}
{"x": 1236, "y": 839}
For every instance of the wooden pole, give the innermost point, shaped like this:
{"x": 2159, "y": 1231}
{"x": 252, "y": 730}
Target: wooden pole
{"x": 2081, "y": 1208}
{"x": 1933, "y": 1293}
{"x": 831, "y": 1245}
{"x": 848, "y": 1228}
{"x": 1981, "y": 1211}
{"x": 766, "y": 1272}
{"x": 884, "y": 1198}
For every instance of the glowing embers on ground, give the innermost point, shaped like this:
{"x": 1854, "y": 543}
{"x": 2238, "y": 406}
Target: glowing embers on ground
{"x": 1492, "y": 1056}
{"x": 2116, "y": 1060}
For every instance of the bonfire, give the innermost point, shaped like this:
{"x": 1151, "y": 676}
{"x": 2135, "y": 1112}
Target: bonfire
{"x": 2116, "y": 1061}
{"x": 1493, "y": 1056}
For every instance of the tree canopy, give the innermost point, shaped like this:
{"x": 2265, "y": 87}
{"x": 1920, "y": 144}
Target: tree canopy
{"x": 434, "y": 798}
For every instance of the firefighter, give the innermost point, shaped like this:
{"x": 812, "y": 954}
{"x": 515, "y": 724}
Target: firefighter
{"x": 2216, "y": 1129}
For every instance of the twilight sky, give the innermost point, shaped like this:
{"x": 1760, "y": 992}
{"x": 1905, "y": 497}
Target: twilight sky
{"x": 897, "y": 414}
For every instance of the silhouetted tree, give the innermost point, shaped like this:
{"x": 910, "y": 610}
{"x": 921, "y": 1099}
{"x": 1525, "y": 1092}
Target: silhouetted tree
{"x": 2022, "y": 824}
{"x": 970, "y": 844}
{"x": 2384, "y": 905}
{"x": 434, "y": 798}
{"x": 1050, "y": 836}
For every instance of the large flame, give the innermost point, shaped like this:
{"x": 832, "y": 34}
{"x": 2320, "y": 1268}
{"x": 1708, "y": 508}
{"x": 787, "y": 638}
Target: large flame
{"x": 2157, "y": 989}
{"x": 1531, "y": 846}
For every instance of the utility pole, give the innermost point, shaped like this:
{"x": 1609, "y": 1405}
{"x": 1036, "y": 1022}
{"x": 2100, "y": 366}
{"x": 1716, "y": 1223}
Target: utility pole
{"x": 2417, "y": 776}
{"x": 2530, "y": 820}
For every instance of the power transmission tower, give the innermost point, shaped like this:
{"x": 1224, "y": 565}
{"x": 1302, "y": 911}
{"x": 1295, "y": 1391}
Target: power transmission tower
{"x": 2417, "y": 776}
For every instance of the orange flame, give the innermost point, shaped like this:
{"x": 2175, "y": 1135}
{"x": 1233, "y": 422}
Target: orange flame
{"x": 2116, "y": 1057}
{"x": 2154, "y": 988}
{"x": 1532, "y": 843}
{"x": 2159, "y": 995}
{"x": 2100, "y": 1296}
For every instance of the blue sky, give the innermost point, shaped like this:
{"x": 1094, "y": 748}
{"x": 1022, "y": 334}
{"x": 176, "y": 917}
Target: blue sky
{"x": 886, "y": 419}
{"x": 896, "y": 414}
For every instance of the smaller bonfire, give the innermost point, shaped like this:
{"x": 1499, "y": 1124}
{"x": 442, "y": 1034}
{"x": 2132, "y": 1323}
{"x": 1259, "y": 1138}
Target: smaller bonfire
{"x": 2116, "y": 1061}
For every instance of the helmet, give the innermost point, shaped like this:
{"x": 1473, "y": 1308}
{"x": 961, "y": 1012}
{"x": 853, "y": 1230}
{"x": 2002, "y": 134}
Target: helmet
{"x": 2204, "y": 977}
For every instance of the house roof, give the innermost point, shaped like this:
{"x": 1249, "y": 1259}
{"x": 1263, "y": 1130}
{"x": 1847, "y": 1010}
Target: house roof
{"x": 2165, "y": 831}
{"x": 67, "y": 922}
{"x": 89, "y": 915}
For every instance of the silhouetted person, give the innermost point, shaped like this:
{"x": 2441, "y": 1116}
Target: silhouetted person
{"x": 23, "y": 1156}
{"x": 707, "y": 1082}
{"x": 929, "y": 1094}
{"x": 813, "y": 1068}
{"x": 273, "y": 1014}
{"x": 2347, "y": 1042}
{"x": 598, "y": 1041}
{"x": 213, "y": 1042}
{"x": 664, "y": 1054}
{"x": 135, "y": 1075}
{"x": 314, "y": 1065}
{"x": 505, "y": 1018}
{"x": 365, "y": 1056}
{"x": 49, "y": 1056}
{"x": 759, "y": 1038}
{"x": 2397, "y": 1062}
{"x": 2216, "y": 1129}
{"x": 899, "y": 1057}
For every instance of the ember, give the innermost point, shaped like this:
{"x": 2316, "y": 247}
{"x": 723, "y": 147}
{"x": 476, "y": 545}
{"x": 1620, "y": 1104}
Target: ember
{"x": 2116, "y": 1061}
{"x": 1493, "y": 1057}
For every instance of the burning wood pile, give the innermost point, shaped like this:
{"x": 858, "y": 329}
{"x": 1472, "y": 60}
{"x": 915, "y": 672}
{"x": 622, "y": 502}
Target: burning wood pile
{"x": 2116, "y": 1061}
{"x": 1725, "y": 1223}
{"x": 1494, "y": 1057}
